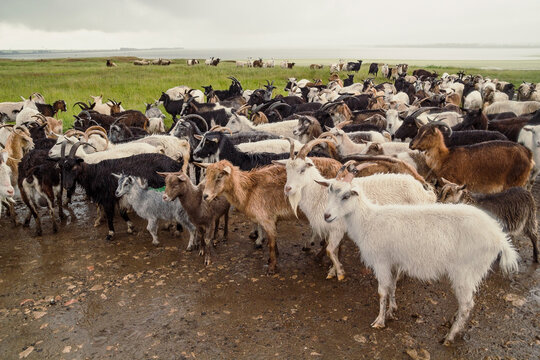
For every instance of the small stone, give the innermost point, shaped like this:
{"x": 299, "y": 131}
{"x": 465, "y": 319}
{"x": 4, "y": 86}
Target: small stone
{"x": 360, "y": 338}
{"x": 66, "y": 350}
{"x": 96, "y": 287}
{"x": 421, "y": 354}
{"x": 516, "y": 300}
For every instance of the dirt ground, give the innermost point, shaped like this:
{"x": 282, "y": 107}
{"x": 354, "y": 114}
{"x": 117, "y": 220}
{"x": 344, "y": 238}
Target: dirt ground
{"x": 75, "y": 296}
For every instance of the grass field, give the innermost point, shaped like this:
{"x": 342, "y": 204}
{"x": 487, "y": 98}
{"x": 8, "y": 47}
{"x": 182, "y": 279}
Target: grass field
{"x": 76, "y": 79}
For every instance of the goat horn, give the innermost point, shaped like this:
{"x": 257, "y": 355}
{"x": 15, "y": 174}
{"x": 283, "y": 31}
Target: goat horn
{"x": 442, "y": 124}
{"x": 341, "y": 125}
{"x": 328, "y": 135}
{"x": 72, "y": 132}
{"x": 96, "y": 127}
{"x": 198, "y": 117}
{"x": 96, "y": 132}
{"x": 291, "y": 142}
{"x": 220, "y": 128}
{"x": 82, "y": 105}
{"x": 74, "y": 148}
{"x": 278, "y": 105}
{"x": 304, "y": 151}
{"x": 40, "y": 117}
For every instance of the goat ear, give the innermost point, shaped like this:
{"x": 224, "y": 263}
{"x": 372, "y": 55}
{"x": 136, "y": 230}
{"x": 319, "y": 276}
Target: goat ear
{"x": 354, "y": 193}
{"x": 328, "y": 128}
{"x": 4, "y": 157}
{"x": 463, "y": 187}
{"x": 198, "y": 137}
{"x": 162, "y": 174}
{"x": 444, "y": 181}
{"x": 279, "y": 162}
{"x": 118, "y": 176}
{"x": 323, "y": 183}
{"x": 227, "y": 169}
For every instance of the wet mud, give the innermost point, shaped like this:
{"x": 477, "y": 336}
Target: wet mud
{"x": 72, "y": 295}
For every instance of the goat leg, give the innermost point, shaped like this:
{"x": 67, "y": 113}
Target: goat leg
{"x": 109, "y": 212}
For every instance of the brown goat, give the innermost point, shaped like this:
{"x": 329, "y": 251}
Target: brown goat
{"x": 315, "y": 66}
{"x": 204, "y": 215}
{"x": 488, "y": 167}
{"x": 454, "y": 99}
{"x": 258, "y": 194}
{"x": 382, "y": 164}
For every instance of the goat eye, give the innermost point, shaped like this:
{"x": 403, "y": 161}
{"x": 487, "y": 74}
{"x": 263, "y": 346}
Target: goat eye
{"x": 346, "y": 197}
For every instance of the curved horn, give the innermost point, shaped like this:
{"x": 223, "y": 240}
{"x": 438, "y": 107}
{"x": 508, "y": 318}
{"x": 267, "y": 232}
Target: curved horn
{"x": 82, "y": 105}
{"x": 72, "y": 132}
{"x": 97, "y": 132}
{"x": 96, "y": 127}
{"x": 442, "y": 124}
{"x": 341, "y": 125}
{"x": 40, "y": 117}
{"x": 278, "y": 104}
{"x": 328, "y": 135}
{"x": 200, "y": 119}
{"x": 304, "y": 151}
{"x": 74, "y": 148}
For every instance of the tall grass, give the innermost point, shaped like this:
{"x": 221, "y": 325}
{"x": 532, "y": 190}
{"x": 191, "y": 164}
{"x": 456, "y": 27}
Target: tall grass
{"x": 76, "y": 79}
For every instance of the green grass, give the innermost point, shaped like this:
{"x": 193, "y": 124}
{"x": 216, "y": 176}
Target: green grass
{"x": 76, "y": 79}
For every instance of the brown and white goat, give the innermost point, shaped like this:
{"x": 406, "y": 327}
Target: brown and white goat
{"x": 203, "y": 214}
{"x": 487, "y": 167}
{"x": 17, "y": 145}
{"x": 258, "y": 194}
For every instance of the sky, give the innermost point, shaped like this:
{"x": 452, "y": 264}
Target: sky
{"x": 207, "y": 24}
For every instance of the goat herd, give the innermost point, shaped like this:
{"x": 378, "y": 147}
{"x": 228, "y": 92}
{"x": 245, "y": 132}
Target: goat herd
{"x": 428, "y": 175}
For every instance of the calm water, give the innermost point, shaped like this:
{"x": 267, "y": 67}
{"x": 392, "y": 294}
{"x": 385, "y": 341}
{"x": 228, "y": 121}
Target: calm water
{"x": 389, "y": 53}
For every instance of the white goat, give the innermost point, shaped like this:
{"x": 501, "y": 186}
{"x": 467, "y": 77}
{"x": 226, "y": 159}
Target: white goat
{"x": 393, "y": 122}
{"x": 425, "y": 242}
{"x": 155, "y": 125}
{"x": 302, "y": 191}
{"x": 276, "y": 146}
{"x": 239, "y": 123}
{"x": 473, "y": 100}
{"x": 6, "y": 189}
{"x": 103, "y": 108}
{"x": 517, "y": 107}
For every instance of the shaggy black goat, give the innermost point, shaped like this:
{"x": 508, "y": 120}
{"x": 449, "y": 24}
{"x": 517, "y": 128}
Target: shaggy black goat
{"x": 100, "y": 185}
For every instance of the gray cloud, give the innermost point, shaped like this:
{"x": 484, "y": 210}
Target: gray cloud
{"x": 278, "y": 23}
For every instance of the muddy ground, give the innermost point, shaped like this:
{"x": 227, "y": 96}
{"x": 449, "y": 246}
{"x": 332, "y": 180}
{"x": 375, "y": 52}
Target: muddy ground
{"x": 75, "y": 296}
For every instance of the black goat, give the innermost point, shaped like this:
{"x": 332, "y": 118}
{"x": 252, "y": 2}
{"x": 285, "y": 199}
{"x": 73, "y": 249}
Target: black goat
{"x": 52, "y": 110}
{"x": 349, "y": 80}
{"x": 373, "y": 69}
{"x": 354, "y": 66}
{"x": 173, "y": 107}
{"x": 235, "y": 89}
{"x": 100, "y": 185}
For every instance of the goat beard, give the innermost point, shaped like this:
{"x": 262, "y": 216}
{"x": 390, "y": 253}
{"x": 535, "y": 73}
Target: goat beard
{"x": 294, "y": 200}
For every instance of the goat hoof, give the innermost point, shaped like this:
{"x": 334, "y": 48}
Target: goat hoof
{"x": 305, "y": 248}
{"x": 155, "y": 243}
{"x": 207, "y": 262}
{"x": 201, "y": 252}
{"x": 258, "y": 246}
{"x": 377, "y": 324}
{"x": 253, "y": 235}
{"x": 446, "y": 342}
{"x": 190, "y": 248}
{"x": 39, "y": 232}
{"x": 109, "y": 238}
{"x": 55, "y": 229}
{"x": 330, "y": 276}
{"x": 341, "y": 277}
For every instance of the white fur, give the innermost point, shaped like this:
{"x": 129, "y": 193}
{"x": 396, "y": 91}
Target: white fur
{"x": 303, "y": 191}
{"x": 517, "y": 107}
{"x": 239, "y": 123}
{"x": 276, "y": 146}
{"x": 473, "y": 100}
{"x": 426, "y": 242}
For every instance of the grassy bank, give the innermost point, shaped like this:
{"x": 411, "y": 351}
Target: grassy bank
{"x": 76, "y": 79}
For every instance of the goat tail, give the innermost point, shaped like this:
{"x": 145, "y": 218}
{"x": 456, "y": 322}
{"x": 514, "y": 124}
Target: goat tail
{"x": 509, "y": 257}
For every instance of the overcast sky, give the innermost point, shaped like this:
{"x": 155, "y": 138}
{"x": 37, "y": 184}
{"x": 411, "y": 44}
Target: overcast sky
{"x": 101, "y": 24}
